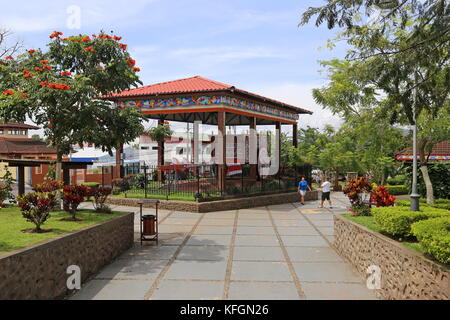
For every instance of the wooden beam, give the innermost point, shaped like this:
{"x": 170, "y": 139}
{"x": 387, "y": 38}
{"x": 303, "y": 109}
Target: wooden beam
{"x": 294, "y": 135}
{"x": 21, "y": 180}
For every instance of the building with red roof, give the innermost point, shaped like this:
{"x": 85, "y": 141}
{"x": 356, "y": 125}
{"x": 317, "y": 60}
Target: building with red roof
{"x": 439, "y": 152}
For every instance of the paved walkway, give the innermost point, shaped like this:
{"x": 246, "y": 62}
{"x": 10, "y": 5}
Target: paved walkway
{"x": 274, "y": 252}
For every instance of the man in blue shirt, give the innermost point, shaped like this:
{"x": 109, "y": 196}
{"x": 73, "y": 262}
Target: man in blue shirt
{"x": 302, "y": 187}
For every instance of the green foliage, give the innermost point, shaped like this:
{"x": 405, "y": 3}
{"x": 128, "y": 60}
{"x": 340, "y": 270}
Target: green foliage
{"x": 440, "y": 177}
{"x": 100, "y": 195}
{"x": 397, "y": 180}
{"x": 397, "y": 221}
{"x": 160, "y": 132}
{"x": 6, "y": 187}
{"x": 438, "y": 203}
{"x": 397, "y": 190}
{"x": 434, "y": 237}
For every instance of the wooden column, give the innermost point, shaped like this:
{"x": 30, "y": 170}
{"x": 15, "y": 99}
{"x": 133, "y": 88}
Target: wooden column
{"x": 119, "y": 169}
{"x": 21, "y": 180}
{"x": 221, "y": 124}
{"x": 294, "y": 135}
{"x": 66, "y": 176}
{"x": 278, "y": 127}
{"x": 160, "y": 160}
{"x": 253, "y": 149}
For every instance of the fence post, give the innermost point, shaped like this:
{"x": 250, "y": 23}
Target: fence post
{"x": 198, "y": 180}
{"x": 242, "y": 179}
{"x": 145, "y": 180}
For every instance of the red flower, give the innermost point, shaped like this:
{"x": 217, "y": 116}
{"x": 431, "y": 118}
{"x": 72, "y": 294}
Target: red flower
{"x": 136, "y": 69}
{"x": 43, "y": 84}
{"x": 131, "y": 62}
{"x": 86, "y": 39}
{"x": 8, "y": 92}
{"x": 117, "y": 38}
{"x": 47, "y": 67}
{"x": 31, "y": 51}
{"x": 43, "y": 61}
{"x": 55, "y": 34}
{"x": 9, "y": 58}
{"x": 27, "y": 76}
{"x": 89, "y": 49}
{"x": 65, "y": 73}
{"x": 123, "y": 46}
{"x": 101, "y": 67}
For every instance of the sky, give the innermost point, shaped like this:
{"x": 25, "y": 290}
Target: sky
{"x": 255, "y": 45}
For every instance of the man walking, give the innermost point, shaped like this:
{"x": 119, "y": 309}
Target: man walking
{"x": 326, "y": 192}
{"x": 302, "y": 187}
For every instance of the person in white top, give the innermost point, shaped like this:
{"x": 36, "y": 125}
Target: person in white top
{"x": 326, "y": 192}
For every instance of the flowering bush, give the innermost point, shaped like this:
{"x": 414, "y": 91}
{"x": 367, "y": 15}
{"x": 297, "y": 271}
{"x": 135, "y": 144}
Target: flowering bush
{"x": 72, "y": 197}
{"x": 100, "y": 195}
{"x": 382, "y": 198}
{"x": 352, "y": 190}
{"x": 48, "y": 186}
{"x": 36, "y": 207}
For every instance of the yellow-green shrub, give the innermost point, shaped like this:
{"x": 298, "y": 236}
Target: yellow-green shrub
{"x": 434, "y": 237}
{"x": 397, "y": 221}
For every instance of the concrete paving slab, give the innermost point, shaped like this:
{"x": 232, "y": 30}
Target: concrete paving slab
{"x": 303, "y": 241}
{"x": 323, "y": 223}
{"x": 254, "y": 222}
{"x": 160, "y": 252}
{"x": 258, "y": 253}
{"x": 188, "y": 290}
{"x": 254, "y": 230}
{"x": 213, "y": 230}
{"x": 218, "y": 253}
{"x": 337, "y": 291}
{"x": 297, "y": 231}
{"x": 326, "y": 231}
{"x": 256, "y": 240}
{"x": 113, "y": 290}
{"x": 292, "y": 223}
{"x": 197, "y": 270}
{"x": 216, "y": 222}
{"x": 133, "y": 269}
{"x": 167, "y": 228}
{"x": 210, "y": 240}
{"x": 326, "y": 272}
{"x": 179, "y": 221}
{"x": 262, "y": 291}
{"x": 171, "y": 238}
{"x": 260, "y": 271}
{"x": 308, "y": 254}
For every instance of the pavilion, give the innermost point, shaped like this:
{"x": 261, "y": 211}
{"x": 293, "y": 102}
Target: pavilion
{"x": 211, "y": 102}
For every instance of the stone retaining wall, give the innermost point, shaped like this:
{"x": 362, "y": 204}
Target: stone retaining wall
{"x": 219, "y": 205}
{"x": 39, "y": 271}
{"x": 405, "y": 274}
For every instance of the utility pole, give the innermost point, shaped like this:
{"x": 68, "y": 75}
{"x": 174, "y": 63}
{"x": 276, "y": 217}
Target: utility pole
{"x": 414, "y": 197}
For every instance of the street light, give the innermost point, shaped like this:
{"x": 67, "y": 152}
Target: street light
{"x": 414, "y": 195}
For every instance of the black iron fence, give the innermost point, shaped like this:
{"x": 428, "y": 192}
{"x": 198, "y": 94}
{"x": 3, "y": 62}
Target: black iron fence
{"x": 201, "y": 182}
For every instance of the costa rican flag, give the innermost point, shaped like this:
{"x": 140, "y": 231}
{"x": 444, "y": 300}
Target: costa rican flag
{"x": 233, "y": 169}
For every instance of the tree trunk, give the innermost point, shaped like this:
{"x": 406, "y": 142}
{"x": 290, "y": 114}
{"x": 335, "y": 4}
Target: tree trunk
{"x": 428, "y": 184}
{"x": 58, "y": 177}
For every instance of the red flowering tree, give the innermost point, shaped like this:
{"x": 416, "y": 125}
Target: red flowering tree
{"x": 72, "y": 197}
{"x": 60, "y": 89}
{"x": 353, "y": 190}
{"x": 35, "y": 207}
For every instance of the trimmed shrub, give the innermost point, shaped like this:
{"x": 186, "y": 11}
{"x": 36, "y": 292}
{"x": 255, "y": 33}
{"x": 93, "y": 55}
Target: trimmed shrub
{"x": 90, "y": 184}
{"x": 397, "y": 221}
{"x": 48, "y": 186}
{"x": 35, "y": 207}
{"x": 397, "y": 190}
{"x": 100, "y": 195}
{"x": 72, "y": 197}
{"x": 438, "y": 203}
{"x": 382, "y": 198}
{"x": 434, "y": 237}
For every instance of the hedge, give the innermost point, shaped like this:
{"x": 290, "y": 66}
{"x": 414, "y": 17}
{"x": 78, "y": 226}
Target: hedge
{"x": 434, "y": 237}
{"x": 438, "y": 203}
{"x": 397, "y": 221}
{"x": 397, "y": 190}
{"x": 90, "y": 184}
{"x": 397, "y": 180}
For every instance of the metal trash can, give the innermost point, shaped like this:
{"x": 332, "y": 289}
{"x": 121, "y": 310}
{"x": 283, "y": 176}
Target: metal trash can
{"x": 149, "y": 222}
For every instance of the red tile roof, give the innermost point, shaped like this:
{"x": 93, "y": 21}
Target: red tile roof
{"x": 439, "y": 149}
{"x": 195, "y": 84}
{"x": 18, "y": 125}
{"x": 24, "y": 146}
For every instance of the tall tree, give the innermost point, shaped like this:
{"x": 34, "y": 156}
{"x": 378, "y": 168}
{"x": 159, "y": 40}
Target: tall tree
{"x": 63, "y": 89}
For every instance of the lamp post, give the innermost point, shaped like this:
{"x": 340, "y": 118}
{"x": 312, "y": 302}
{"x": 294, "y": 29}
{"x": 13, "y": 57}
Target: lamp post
{"x": 414, "y": 197}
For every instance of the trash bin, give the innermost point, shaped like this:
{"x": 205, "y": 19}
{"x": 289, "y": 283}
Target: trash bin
{"x": 149, "y": 221}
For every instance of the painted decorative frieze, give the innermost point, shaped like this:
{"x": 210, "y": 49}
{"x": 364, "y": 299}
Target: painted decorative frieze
{"x": 149, "y": 104}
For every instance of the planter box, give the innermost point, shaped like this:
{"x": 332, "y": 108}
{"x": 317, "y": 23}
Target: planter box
{"x": 219, "y": 205}
{"x": 405, "y": 273}
{"x": 40, "y": 271}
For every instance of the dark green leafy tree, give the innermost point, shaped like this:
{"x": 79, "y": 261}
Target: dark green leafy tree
{"x": 63, "y": 89}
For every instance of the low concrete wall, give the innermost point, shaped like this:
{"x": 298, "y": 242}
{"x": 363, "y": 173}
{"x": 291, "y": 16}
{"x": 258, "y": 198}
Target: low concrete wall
{"x": 219, "y": 205}
{"x": 405, "y": 274}
{"x": 39, "y": 271}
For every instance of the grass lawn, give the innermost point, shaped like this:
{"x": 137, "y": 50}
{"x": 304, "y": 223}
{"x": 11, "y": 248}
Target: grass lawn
{"x": 12, "y": 222}
{"x": 369, "y": 223}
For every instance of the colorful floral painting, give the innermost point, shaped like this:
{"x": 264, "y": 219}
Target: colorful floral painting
{"x": 149, "y": 104}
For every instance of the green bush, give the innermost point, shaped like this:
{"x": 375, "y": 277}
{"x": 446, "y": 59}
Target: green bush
{"x": 397, "y": 221}
{"x": 90, "y": 184}
{"x": 440, "y": 177}
{"x": 438, "y": 203}
{"x": 397, "y": 190}
{"x": 397, "y": 180}
{"x": 434, "y": 237}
